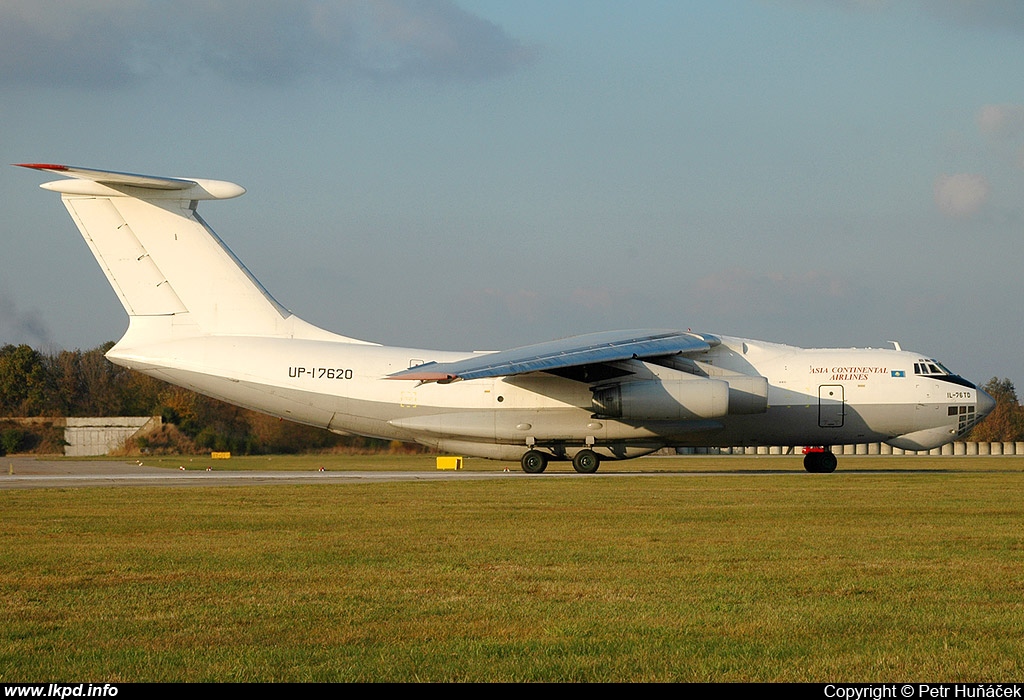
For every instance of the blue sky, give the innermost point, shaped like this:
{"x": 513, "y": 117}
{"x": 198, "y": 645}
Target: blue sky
{"x": 468, "y": 175}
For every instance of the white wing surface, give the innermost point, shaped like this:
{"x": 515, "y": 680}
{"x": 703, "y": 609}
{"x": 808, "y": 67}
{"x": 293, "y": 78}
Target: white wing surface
{"x": 594, "y": 348}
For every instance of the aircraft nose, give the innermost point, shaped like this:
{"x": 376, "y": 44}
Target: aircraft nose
{"x": 985, "y": 403}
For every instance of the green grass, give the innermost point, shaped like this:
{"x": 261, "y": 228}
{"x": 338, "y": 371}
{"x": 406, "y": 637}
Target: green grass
{"x": 759, "y": 576}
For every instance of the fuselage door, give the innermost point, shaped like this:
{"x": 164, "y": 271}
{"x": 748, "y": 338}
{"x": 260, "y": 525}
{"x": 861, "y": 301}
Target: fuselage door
{"x": 831, "y": 407}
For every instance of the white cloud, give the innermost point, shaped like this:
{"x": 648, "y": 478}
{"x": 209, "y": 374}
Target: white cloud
{"x": 962, "y": 194}
{"x": 1001, "y": 121}
{"x": 117, "y": 42}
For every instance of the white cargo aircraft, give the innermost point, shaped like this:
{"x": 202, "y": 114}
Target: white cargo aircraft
{"x": 199, "y": 319}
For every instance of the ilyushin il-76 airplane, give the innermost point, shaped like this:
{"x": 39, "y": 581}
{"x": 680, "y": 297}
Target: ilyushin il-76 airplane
{"x": 199, "y": 319}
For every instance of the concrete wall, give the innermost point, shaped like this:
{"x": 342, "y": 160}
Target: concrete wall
{"x": 88, "y": 437}
{"x": 872, "y": 448}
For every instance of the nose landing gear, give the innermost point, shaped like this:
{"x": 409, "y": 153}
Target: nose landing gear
{"x": 819, "y": 460}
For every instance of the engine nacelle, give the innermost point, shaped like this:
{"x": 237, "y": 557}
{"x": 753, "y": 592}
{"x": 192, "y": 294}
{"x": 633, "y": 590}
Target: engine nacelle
{"x": 668, "y": 399}
{"x": 747, "y": 395}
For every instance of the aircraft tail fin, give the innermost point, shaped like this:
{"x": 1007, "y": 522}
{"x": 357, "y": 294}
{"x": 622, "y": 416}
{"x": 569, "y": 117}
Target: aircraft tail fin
{"x": 172, "y": 273}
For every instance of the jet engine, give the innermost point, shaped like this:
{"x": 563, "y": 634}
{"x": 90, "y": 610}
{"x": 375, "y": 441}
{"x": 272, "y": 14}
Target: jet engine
{"x": 693, "y": 398}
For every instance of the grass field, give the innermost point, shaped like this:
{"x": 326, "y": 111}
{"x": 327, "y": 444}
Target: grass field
{"x": 906, "y": 569}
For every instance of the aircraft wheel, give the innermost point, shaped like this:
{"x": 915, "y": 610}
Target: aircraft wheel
{"x": 809, "y": 463}
{"x": 534, "y": 462}
{"x": 812, "y": 461}
{"x": 829, "y": 463}
{"x": 586, "y": 462}
{"x": 820, "y": 462}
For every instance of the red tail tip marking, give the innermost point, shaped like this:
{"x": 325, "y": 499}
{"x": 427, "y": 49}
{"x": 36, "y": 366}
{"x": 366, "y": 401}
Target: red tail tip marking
{"x": 42, "y": 166}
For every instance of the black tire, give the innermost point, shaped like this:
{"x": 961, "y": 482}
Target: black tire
{"x": 586, "y": 462}
{"x": 829, "y": 463}
{"x": 811, "y": 462}
{"x": 820, "y": 462}
{"x": 534, "y": 462}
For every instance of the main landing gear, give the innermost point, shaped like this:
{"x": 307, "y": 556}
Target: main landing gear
{"x": 585, "y": 462}
{"x": 819, "y": 460}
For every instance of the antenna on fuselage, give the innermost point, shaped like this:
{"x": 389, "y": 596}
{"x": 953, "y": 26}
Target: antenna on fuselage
{"x": 896, "y": 344}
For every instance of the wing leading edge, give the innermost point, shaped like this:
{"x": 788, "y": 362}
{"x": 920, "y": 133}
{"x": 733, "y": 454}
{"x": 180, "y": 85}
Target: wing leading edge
{"x": 595, "y": 348}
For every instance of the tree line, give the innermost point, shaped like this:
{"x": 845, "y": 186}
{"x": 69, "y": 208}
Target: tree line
{"x": 76, "y": 383}
{"x": 1006, "y": 422}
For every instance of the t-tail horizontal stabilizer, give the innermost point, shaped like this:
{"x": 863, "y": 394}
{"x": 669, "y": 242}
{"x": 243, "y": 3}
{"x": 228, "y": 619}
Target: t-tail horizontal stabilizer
{"x": 192, "y": 188}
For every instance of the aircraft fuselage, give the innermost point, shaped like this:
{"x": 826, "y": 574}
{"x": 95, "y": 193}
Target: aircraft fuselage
{"x": 814, "y": 396}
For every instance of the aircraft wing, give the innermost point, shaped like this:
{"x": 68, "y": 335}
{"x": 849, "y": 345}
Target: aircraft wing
{"x": 595, "y": 348}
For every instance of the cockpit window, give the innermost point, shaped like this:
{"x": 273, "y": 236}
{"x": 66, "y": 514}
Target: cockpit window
{"x": 930, "y": 368}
